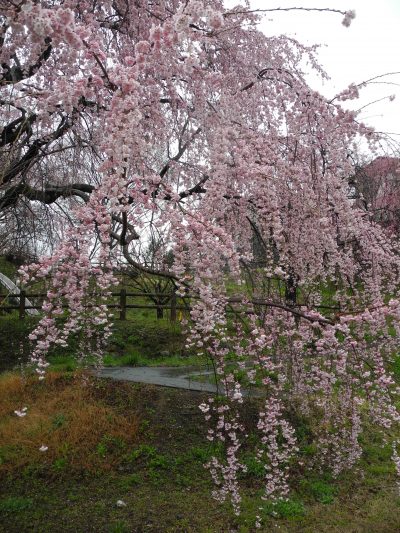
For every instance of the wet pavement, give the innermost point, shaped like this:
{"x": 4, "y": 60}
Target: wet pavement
{"x": 188, "y": 378}
{"x": 176, "y": 377}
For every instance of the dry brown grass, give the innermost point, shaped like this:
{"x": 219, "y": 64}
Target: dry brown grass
{"x": 64, "y": 413}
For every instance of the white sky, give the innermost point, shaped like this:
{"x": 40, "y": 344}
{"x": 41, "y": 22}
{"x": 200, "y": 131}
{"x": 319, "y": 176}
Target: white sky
{"x": 369, "y": 47}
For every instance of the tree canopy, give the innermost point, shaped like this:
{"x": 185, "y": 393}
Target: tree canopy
{"x": 179, "y": 121}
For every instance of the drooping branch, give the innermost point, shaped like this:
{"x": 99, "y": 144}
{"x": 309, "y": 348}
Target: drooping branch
{"x": 16, "y": 128}
{"x": 270, "y": 10}
{"x": 47, "y": 195}
{"x": 16, "y": 73}
{"x": 19, "y": 167}
{"x": 196, "y": 189}
{"x": 262, "y": 75}
{"x": 179, "y": 154}
{"x": 269, "y": 303}
{"x": 141, "y": 268}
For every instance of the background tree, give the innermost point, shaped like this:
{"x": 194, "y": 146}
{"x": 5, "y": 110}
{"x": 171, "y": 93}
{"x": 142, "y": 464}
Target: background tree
{"x": 377, "y": 189}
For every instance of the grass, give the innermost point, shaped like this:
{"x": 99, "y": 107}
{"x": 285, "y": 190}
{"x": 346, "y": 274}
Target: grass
{"x": 68, "y": 363}
{"x": 7, "y": 268}
{"x": 322, "y": 491}
{"x": 133, "y": 359}
{"x": 14, "y": 342}
{"x": 15, "y": 504}
{"x": 146, "y": 445}
{"x": 82, "y": 433}
{"x": 139, "y": 341}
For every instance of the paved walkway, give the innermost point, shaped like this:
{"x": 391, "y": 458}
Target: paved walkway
{"x": 167, "y": 376}
{"x": 176, "y": 377}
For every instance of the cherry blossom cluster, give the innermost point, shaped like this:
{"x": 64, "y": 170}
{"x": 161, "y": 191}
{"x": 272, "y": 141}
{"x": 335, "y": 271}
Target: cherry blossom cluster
{"x": 348, "y": 18}
{"x": 279, "y": 446}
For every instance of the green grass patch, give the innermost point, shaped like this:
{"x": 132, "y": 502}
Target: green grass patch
{"x": 291, "y": 509}
{"x": 319, "y": 490}
{"x": 8, "y": 268}
{"x": 15, "y": 504}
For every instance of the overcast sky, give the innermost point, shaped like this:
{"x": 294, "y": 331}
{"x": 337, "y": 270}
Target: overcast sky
{"x": 368, "y": 48}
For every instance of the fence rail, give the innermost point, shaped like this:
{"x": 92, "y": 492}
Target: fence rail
{"x": 167, "y": 301}
{"x": 161, "y": 301}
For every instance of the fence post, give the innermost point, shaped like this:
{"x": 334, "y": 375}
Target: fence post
{"x": 22, "y": 297}
{"x": 122, "y": 304}
{"x": 173, "y": 307}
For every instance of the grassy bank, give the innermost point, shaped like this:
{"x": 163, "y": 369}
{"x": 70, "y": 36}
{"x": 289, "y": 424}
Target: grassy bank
{"x": 146, "y": 446}
{"x": 141, "y": 340}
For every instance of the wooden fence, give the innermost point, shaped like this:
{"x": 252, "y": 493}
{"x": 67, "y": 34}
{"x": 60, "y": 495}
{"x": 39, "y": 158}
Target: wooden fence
{"x": 165, "y": 301}
{"x": 161, "y": 302}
